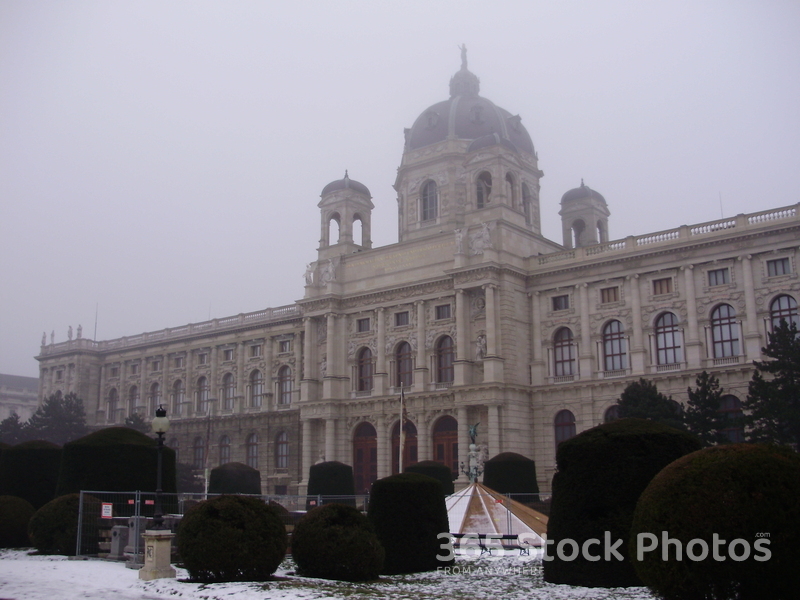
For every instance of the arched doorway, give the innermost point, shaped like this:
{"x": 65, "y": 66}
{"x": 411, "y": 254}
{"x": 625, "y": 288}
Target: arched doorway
{"x": 365, "y": 457}
{"x": 445, "y": 443}
{"x": 410, "y": 448}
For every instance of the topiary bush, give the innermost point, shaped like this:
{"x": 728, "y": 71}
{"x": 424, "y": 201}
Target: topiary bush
{"x": 408, "y": 513}
{"x": 53, "y": 529}
{"x": 740, "y": 493}
{"x": 231, "y": 538}
{"x": 116, "y": 459}
{"x": 328, "y": 482}
{"x": 601, "y": 474}
{"x": 15, "y": 514}
{"x": 512, "y": 473}
{"x": 234, "y": 478}
{"x": 336, "y": 541}
{"x": 30, "y": 470}
{"x": 437, "y": 470}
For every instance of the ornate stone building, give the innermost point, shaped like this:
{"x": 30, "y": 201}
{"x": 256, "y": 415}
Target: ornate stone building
{"x": 473, "y": 314}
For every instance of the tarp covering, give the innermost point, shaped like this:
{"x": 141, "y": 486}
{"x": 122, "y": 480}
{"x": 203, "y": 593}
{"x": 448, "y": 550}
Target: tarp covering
{"x": 479, "y": 510}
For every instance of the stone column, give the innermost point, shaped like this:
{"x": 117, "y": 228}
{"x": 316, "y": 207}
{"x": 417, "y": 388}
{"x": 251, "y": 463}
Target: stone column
{"x": 330, "y": 439}
{"x": 308, "y": 452}
{"x": 380, "y": 379}
{"x": 494, "y": 430}
{"x": 213, "y": 385}
{"x": 585, "y": 356}
{"x": 164, "y": 383}
{"x": 463, "y": 365}
{"x": 537, "y": 363}
{"x": 330, "y": 358}
{"x": 382, "y": 441}
{"x": 188, "y": 380}
{"x": 692, "y": 342}
{"x": 752, "y": 339}
{"x": 241, "y": 379}
{"x": 102, "y": 403}
{"x": 424, "y": 450}
{"x": 492, "y": 363}
{"x": 463, "y": 440}
{"x": 298, "y": 362}
{"x": 269, "y": 387}
{"x": 638, "y": 351}
{"x": 421, "y": 368}
{"x": 308, "y": 359}
{"x": 143, "y": 391}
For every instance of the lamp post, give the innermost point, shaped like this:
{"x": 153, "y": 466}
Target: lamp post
{"x": 160, "y": 427}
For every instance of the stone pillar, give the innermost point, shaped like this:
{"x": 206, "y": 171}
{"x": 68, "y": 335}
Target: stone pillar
{"x": 241, "y": 380}
{"x": 380, "y": 379}
{"x": 538, "y": 372}
{"x": 638, "y": 351}
{"x": 692, "y": 342}
{"x": 752, "y": 339}
{"x": 330, "y": 357}
{"x": 157, "y": 552}
{"x": 585, "y": 356}
{"x": 424, "y": 449}
{"x": 308, "y": 459}
{"x": 330, "y": 439}
{"x": 492, "y": 363}
{"x": 102, "y": 403}
{"x": 269, "y": 387}
{"x": 308, "y": 358}
{"x": 421, "y": 368}
{"x": 188, "y": 385}
{"x": 463, "y": 365}
{"x": 463, "y": 440}
{"x": 298, "y": 361}
{"x": 213, "y": 384}
{"x": 164, "y": 383}
{"x": 143, "y": 391}
{"x": 494, "y": 430}
{"x": 383, "y": 443}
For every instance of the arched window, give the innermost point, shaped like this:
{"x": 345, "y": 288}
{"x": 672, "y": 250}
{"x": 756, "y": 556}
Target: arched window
{"x": 405, "y": 365}
{"x": 511, "y": 191}
{"x": 578, "y": 227}
{"x": 285, "y": 386}
{"x": 202, "y": 396}
{"x": 155, "y": 397}
{"x": 526, "y": 203}
{"x": 724, "y": 331}
{"x": 563, "y": 353}
{"x": 224, "y": 450}
{"x": 199, "y": 453}
{"x": 668, "y": 340}
{"x": 228, "y": 391}
{"x": 364, "y": 368}
{"x": 429, "y": 203}
{"x": 251, "y": 450}
{"x": 178, "y": 393}
{"x": 133, "y": 399}
{"x": 409, "y": 448}
{"x": 611, "y": 414}
{"x": 365, "y": 457}
{"x": 783, "y": 308}
{"x": 113, "y": 405}
{"x": 333, "y": 229}
{"x": 564, "y": 425}
{"x": 615, "y": 353}
{"x": 483, "y": 189}
{"x": 445, "y": 356}
{"x": 282, "y": 450}
{"x": 730, "y": 409}
{"x": 256, "y": 388}
{"x": 445, "y": 443}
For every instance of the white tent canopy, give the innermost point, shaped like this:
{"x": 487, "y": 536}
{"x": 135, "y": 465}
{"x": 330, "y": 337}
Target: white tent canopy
{"x": 481, "y": 511}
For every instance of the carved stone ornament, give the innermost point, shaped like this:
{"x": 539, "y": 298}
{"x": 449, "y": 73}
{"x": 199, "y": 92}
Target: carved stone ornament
{"x": 477, "y": 303}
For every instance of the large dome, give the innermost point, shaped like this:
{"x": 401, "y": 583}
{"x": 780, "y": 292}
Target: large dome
{"x": 467, "y": 116}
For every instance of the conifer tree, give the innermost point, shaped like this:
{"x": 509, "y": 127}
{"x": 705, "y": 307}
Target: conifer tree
{"x": 642, "y": 400}
{"x": 59, "y": 419}
{"x": 702, "y": 410}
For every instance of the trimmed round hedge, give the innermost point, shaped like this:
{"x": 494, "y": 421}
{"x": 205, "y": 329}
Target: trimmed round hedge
{"x": 231, "y": 538}
{"x": 408, "y": 513}
{"x": 330, "y": 480}
{"x": 336, "y": 541}
{"x": 601, "y": 474}
{"x": 115, "y": 459}
{"x": 234, "y": 478}
{"x": 53, "y": 529}
{"x": 747, "y": 495}
{"x": 439, "y": 471}
{"x": 15, "y": 514}
{"x": 512, "y": 473}
{"x": 30, "y": 470}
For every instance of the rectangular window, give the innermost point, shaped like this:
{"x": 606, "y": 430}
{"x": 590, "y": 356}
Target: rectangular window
{"x": 662, "y": 286}
{"x": 59, "y": 375}
{"x": 179, "y": 362}
{"x": 227, "y": 355}
{"x": 401, "y": 318}
{"x": 362, "y": 325}
{"x": 255, "y": 351}
{"x": 443, "y": 312}
{"x": 134, "y": 369}
{"x": 609, "y": 295}
{"x": 779, "y": 266}
{"x": 719, "y": 277}
{"x": 114, "y": 371}
{"x": 155, "y": 365}
{"x": 285, "y": 346}
{"x": 281, "y": 490}
{"x": 202, "y": 358}
{"x": 561, "y": 302}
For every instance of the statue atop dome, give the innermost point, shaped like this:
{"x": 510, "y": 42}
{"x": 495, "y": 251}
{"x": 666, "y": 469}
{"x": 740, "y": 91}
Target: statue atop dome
{"x": 463, "y": 48}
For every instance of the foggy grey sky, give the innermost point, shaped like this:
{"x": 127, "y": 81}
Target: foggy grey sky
{"x": 163, "y": 160}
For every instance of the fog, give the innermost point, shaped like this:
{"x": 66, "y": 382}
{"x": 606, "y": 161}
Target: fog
{"x": 161, "y": 162}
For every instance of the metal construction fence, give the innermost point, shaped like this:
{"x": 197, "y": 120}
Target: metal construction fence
{"x": 111, "y": 524}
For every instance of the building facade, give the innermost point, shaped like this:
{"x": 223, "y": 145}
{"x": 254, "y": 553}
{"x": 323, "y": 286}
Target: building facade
{"x": 472, "y": 317}
{"x": 19, "y": 396}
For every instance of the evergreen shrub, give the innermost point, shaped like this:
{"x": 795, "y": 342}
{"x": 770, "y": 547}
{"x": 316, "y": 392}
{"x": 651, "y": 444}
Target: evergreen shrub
{"x": 53, "y": 529}
{"x": 408, "y": 513}
{"x": 512, "y": 473}
{"x": 737, "y": 492}
{"x": 601, "y": 474}
{"x": 330, "y": 480}
{"x": 336, "y": 541}
{"x": 234, "y": 478}
{"x": 231, "y": 538}
{"x": 116, "y": 459}
{"x": 30, "y": 470}
{"x": 437, "y": 470}
{"x": 15, "y": 514}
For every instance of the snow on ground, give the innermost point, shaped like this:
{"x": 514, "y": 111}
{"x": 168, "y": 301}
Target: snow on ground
{"x": 26, "y": 577}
